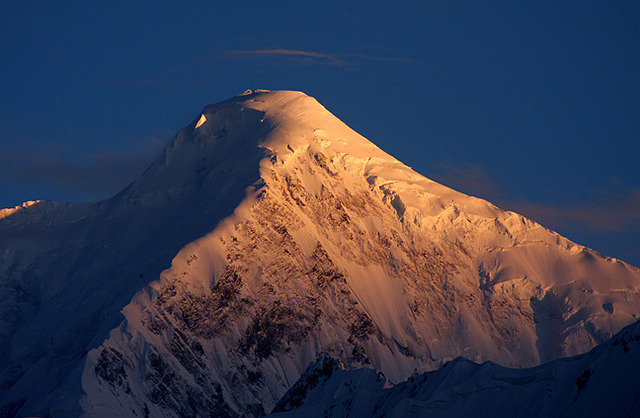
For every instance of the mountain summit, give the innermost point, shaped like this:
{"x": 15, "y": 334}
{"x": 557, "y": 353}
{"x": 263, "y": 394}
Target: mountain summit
{"x": 295, "y": 237}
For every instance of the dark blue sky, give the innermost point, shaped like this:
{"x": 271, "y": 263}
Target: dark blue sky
{"x": 534, "y": 107}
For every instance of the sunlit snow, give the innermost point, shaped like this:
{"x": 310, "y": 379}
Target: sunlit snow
{"x": 202, "y": 120}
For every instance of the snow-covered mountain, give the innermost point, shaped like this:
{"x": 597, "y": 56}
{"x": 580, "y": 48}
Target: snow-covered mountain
{"x": 295, "y": 237}
{"x": 603, "y": 383}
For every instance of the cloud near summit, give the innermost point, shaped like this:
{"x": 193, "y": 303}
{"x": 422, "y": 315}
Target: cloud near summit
{"x": 308, "y": 57}
{"x": 319, "y": 58}
{"x": 285, "y": 52}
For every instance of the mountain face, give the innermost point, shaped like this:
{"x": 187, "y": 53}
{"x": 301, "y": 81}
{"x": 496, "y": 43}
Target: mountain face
{"x": 295, "y": 237}
{"x": 602, "y": 383}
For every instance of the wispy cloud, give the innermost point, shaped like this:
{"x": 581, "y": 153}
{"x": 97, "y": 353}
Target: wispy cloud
{"x": 619, "y": 212}
{"x": 101, "y": 173}
{"x": 316, "y": 56}
{"x": 168, "y": 77}
{"x": 341, "y": 60}
{"x": 612, "y": 210}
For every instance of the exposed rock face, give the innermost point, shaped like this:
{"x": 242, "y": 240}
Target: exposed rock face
{"x": 338, "y": 249}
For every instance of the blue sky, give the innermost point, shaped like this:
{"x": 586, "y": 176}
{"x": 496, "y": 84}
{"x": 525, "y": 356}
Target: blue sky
{"x": 535, "y": 107}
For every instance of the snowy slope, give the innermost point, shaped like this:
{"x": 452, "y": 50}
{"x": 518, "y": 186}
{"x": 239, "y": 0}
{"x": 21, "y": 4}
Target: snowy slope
{"x": 603, "y": 383}
{"x": 337, "y": 248}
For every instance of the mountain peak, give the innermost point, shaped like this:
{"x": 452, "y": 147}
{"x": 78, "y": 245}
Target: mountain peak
{"x": 239, "y": 133}
{"x": 289, "y": 236}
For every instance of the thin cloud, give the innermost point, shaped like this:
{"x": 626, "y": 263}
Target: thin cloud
{"x": 206, "y": 59}
{"x": 101, "y": 173}
{"x": 617, "y": 213}
{"x": 374, "y": 58}
{"x": 285, "y": 52}
{"x": 344, "y": 61}
{"x": 614, "y": 210}
{"x": 315, "y": 57}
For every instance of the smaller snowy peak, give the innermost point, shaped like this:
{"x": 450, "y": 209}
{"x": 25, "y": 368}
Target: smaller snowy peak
{"x": 42, "y": 212}
{"x": 10, "y": 211}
